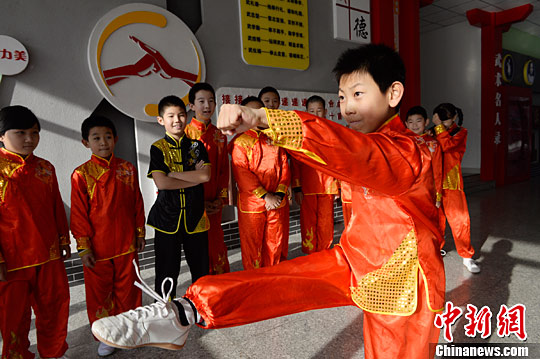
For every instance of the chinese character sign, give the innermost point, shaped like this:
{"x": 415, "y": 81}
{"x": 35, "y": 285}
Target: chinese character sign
{"x": 275, "y": 33}
{"x": 290, "y": 100}
{"x": 352, "y": 20}
{"x": 13, "y": 56}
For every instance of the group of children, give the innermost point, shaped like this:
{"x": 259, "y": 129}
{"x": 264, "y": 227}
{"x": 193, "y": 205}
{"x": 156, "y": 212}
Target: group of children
{"x": 446, "y": 142}
{"x": 388, "y": 262}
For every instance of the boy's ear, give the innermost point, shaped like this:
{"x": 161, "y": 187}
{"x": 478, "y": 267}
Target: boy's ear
{"x": 325, "y": 112}
{"x": 160, "y": 120}
{"x": 115, "y": 139}
{"x": 85, "y": 143}
{"x": 191, "y": 107}
{"x": 395, "y": 93}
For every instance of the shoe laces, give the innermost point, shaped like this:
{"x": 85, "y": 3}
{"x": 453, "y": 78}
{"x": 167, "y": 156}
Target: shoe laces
{"x": 159, "y": 308}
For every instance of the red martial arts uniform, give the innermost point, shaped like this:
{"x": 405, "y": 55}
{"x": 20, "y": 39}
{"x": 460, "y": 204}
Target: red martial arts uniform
{"x": 215, "y": 143}
{"x": 107, "y": 216}
{"x": 388, "y": 262}
{"x": 346, "y": 201}
{"x": 33, "y": 226}
{"x": 430, "y": 145}
{"x": 317, "y": 208}
{"x": 259, "y": 167}
{"x": 453, "y": 143}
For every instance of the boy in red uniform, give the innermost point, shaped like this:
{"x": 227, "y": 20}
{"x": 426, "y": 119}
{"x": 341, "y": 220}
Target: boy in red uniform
{"x": 202, "y": 100}
{"x": 262, "y": 174}
{"x": 388, "y": 261}
{"x": 453, "y": 140}
{"x": 34, "y": 241}
{"x": 107, "y": 220}
{"x": 314, "y": 192}
{"x": 417, "y": 121}
{"x": 269, "y": 97}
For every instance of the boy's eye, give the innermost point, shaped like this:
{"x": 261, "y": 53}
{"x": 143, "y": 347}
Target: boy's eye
{"x": 341, "y": 98}
{"x": 357, "y": 93}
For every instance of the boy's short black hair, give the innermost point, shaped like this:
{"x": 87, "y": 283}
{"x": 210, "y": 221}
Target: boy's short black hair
{"x": 199, "y": 86}
{"x": 17, "y": 118}
{"x": 316, "y": 98}
{"x": 96, "y": 121}
{"x": 268, "y": 89}
{"x": 417, "y": 110}
{"x": 380, "y": 61}
{"x": 169, "y": 101}
{"x": 251, "y": 99}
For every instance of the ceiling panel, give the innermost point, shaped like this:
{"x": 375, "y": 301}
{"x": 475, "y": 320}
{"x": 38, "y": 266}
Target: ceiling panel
{"x": 443, "y": 13}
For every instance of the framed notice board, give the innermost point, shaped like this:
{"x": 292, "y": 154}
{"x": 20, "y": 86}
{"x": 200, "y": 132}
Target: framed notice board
{"x": 275, "y": 33}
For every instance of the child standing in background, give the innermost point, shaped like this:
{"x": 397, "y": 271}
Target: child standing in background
{"x": 453, "y": 140}
{"x": 202, "y": 100}
{"x": 314, "y": 192}
{"x": 34, "y": 242}
{"x": 262, "y": 175}
{"x": 107, "y": 220}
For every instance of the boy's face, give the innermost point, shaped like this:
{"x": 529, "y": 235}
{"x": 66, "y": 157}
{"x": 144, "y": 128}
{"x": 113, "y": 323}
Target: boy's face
{"x": 416, "y": 123}
{"x": 204, "y": 105}
{"x": 270, "y": 100}
{"x": 174, "y": 120}
{"x": 317, "y": 109}
{"x": 101, "y": 141}
{"x": 22, "y": 142}
{"x": 363, "y": 105}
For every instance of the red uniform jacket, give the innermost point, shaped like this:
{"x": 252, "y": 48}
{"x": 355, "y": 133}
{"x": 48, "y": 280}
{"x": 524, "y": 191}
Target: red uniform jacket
{"x": 393, "y": 189}
{"x": 33, "y": 222}
{"x": 346, "y": 192}
{"x": 107, "y": 211}
{"x": 215, "y": 143}
{"x": 453, "y": 143}
{"x": 428, "y": 142}
{"x": 310, "y": 180}
{"x": 259, "y": 167}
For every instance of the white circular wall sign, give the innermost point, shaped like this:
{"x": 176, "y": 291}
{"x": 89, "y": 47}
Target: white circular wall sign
{"x": 140, "y": 53}
{"x": 13, "y": 56}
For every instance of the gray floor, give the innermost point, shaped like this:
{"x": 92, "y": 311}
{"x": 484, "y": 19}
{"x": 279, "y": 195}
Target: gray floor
{"x": 505, "y": 232}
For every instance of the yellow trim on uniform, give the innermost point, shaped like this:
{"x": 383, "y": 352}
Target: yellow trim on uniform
{"x": 393, "y": 288}
{"x": 439, "y": 129}
{"x": 83, "y": 243}
{"x": 452, "y": 180}
{"x": 427, "y": 291}
{"x": 259, "y": 192}
{"x": 141, "y": 232}
{"x": 84, "y": 252}
{"x": 282, "y": 188}
{"x": 285, "y": 130}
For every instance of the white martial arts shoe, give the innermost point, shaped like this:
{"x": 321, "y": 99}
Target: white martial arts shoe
{"x": 471, "y": 265}
{"x": 154, "y": 325}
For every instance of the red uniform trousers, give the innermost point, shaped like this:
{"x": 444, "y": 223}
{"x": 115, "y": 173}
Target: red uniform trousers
{"x": 109, "y": 287}
{"x": 320, "y": 280}
{"x": 262, "y": 236}
{"x": 347, "y": 212}
{"x": 456, "y": 211}
{"x": 217, "y": 250}
{"x": 317, "y": 222}
{"x": 44, "y": 288}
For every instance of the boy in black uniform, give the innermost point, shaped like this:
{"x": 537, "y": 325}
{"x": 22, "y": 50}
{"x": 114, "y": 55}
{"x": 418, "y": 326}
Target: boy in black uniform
{"x": 178, "y": 166}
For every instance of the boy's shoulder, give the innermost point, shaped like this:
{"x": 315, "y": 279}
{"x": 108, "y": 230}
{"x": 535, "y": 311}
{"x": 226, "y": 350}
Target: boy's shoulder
{"x": 245, "y": 140}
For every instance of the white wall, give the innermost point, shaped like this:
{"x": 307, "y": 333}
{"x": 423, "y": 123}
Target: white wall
{"x": 450, "y": 63}
{"x": 56, "y": 85}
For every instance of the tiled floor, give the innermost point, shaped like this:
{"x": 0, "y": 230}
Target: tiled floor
{"x": 505, "y": 230}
